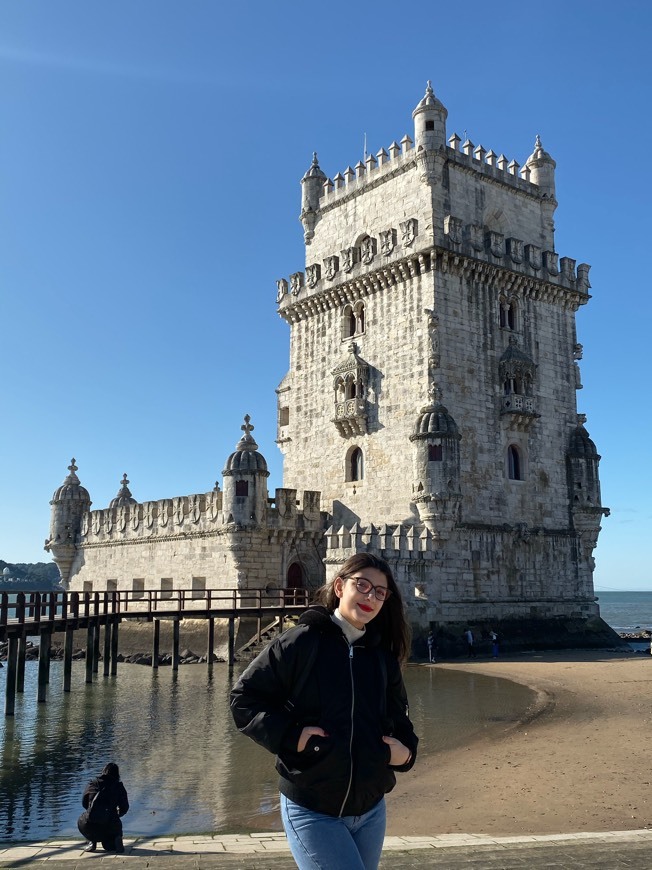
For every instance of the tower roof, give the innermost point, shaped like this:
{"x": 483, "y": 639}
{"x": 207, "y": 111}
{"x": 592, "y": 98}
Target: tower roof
{"x": 539, "y": 155}
{"x": 246, "y": 458}
{"x": 580, "y": 445}
{"x": 430, "y": 102}
{"x": 435, "y": 421}
{"x": 124, "y": 496}
{"x": 314, "y": 170}
{"x": 71, "y": 489}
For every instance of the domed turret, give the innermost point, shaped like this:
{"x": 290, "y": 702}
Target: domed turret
{"x": 436, "y": 488}
{"x": 583, "y": 460}
{"x": 429, "y": 122}
{"x": 69, "y": 503}
{"x": 245, "y": 488}
{"x": 312, "y": 185}
{"x": 124, "y": 496}
{"x": 542, "y": 169}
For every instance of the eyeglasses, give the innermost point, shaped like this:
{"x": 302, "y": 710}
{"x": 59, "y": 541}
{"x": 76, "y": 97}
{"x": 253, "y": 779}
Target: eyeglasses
{"x": 363, "y": 586}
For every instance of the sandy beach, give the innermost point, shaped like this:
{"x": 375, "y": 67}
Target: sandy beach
{"x": 582, "y": 763}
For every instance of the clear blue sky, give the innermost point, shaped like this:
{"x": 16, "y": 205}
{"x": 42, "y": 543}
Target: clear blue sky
{"x": 150, "y": 158}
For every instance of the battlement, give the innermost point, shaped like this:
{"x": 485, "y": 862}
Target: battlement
{"x": 490, "y": 164}
{"x": 189, "y": 515}
{"x": 390, "y": 541}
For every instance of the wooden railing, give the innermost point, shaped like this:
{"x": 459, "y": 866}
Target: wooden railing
{"x": 35, "y": 610}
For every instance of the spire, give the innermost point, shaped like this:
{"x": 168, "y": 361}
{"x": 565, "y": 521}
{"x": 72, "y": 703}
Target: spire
{"x": 542, "y": 169}
{"x": 429, "y": 122}
{"x": 247, "y": 442}
{"x": 312, "y": 187}
{"x": 124, "y": 496}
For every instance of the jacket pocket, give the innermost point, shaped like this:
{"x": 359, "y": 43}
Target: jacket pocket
{"x": 319, "y": 762}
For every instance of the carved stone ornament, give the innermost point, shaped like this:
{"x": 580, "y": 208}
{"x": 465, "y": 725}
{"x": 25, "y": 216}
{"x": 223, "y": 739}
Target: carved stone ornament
{"x": 515, "y": 250}
{"x": 348, "y": 259}
{"x": 551, "y": 262}
{"x": 453, "y": 229}
{"x": 409, "y": 231}
{"x": 533, "y": 256}
{"x": 178, "y": 510}
{"x": 496, "y": 243}
{"x": 108, "y": 520}
{"x": 296, "y": 282}
{"x": 195, "y": 508}
{"x": 97, "y": 522}
{"x": 331, "y": 267}
{"x": 85, "y": 525}
{"x": 135, "y": 516}
{"x": 122, "y": 518}
{"x": 368, "y": 250}
{"x": 313, "y": 274}
{"x": 475, "y": 235}
{"x": 149, "y": 514}
{"x": 281, "y": 289}
{"x": 163, "y": 514}
{"x": 387, "y": 242}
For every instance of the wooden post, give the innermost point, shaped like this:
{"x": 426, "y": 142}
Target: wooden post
{"x": 96, "y": 647}
{"x": 156, "y": 642}
{"x": 106, "y": 656}
{"x": 43, "y": 665}
{"x": 67, "y": 657}
{"x": 90, "y": 632}
{"x": 114, "y": 646}
{"x": 10, "y": 686}
{"x": 231, "y": 653}
{"x": 175, "y": 645}
{"x": 20, "y": 673}
{"x": 211, "y": 642}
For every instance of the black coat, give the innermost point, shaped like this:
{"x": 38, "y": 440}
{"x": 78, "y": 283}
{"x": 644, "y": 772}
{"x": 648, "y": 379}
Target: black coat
{"x": 116, "y": 794}
{"x": 355, "y": 693}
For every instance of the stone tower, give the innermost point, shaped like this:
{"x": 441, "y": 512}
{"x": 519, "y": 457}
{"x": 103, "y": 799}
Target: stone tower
{"x": 69, "y": 503}
{"x": 431, "y": 393}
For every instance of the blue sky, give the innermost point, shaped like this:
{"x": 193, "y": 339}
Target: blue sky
{"x": 150, "y": 159}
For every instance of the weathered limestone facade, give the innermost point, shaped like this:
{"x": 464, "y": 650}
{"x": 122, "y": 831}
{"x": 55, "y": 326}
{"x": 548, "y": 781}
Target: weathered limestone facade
{"x": 429, "y": 412}
{"x": 431, "y": 395}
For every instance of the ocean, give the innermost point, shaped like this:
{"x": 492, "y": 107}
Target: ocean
{"x": 626, "y": 611}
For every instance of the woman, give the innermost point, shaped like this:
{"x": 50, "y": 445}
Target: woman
{"x": 327, "y": 697}
{"x": 104, "y": 801}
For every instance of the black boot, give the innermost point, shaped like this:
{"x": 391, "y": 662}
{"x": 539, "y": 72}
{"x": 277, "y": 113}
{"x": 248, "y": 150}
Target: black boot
{"x": 90, "y": 847}
{"x": 119, "y": 845}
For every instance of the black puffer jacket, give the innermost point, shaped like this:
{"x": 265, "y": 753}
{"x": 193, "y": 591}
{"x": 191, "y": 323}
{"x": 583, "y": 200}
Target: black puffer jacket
{"x": 115, "y": 794}
{"x": 355, "y": 693}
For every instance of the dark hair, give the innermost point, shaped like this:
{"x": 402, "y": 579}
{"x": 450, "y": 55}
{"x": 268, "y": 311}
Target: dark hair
{"x": 111, "y": 770}
{"x": 394, "y": 630}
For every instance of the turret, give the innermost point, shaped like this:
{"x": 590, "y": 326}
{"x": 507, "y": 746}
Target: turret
{"x": 436, "y": 487}
{"x": 429, "y": 122}
{"x": 312, "y": 185}
{"x": 124, "y": 496}
{"x": 542, "y": 170}
{"x": 68, "y": 506}
{"x": 244, "y": 500}
{"x": 584, "y": 489}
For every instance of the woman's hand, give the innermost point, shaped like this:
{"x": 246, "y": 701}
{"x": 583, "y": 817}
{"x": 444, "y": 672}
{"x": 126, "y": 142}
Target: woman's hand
{"x": 308, "y": 732}
{"x": 400, "y": 753}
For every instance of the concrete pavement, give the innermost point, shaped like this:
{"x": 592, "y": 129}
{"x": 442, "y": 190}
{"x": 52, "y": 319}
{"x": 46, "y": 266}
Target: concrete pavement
{"x": 612, "y": 850}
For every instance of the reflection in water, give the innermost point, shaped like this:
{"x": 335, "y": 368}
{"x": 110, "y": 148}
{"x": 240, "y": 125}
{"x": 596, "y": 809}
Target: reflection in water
{"x": 185, "y": 767}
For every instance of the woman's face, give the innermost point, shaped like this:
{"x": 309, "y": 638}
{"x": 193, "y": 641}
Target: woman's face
{"x": 359, "y": 608}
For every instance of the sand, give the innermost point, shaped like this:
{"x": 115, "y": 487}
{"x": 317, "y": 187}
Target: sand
{"x": 582, "y": 763}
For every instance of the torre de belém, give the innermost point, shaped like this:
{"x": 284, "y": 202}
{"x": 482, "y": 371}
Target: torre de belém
{"x": 429, "y": 413}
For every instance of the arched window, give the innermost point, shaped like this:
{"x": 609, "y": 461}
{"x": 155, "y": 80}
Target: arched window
{"x": 350, "y": 389}
{"x": 355, "y": 465}
{"x": 514, "y": 463}
{"x": 359, "y": 317}
{"x": 511, "y": 316}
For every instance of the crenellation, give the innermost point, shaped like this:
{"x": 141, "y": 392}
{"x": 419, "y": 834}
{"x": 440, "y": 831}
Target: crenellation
{"x": 430, "y": 271}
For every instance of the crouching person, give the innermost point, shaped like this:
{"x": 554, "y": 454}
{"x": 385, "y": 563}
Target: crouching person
{"x": 105, "y": 801}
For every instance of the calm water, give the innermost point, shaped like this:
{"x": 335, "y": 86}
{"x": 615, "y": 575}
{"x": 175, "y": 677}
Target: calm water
{"x": 626, "y": 611}
{"x": 185, "y": 767}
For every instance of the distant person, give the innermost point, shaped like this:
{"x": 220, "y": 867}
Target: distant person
{"x": 493, "y": 637}
{"x": 430, "y": 640}
{"x": 104, "y": 801}
{"x": 470, "y": 643}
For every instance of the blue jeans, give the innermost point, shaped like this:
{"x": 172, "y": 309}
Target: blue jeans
{"x": 320, "y": 842}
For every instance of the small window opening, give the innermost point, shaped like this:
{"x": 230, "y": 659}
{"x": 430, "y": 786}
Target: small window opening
{"x": 430, "y": 125}
{"x": 242, "y": 487}
{"x": 284, "y": 416}
{"x": 514, "y": 469}
{"x": 356, "y": 465}
{"x": 435, "y": 453}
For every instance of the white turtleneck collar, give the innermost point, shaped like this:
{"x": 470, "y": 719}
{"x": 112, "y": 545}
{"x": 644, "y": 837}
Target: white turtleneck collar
{"x": 351, "y": 633}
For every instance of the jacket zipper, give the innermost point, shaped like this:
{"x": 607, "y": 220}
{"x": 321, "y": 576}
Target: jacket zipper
{"x": 348, "y": 788}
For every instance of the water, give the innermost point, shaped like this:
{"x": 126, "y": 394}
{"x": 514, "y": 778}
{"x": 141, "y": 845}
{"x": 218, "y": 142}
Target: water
{"x": 185, "y": 767}
{"x": 626, "y": 611}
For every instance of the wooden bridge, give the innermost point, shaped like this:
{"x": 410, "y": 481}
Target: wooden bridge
{"x": 23, "y": 615}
